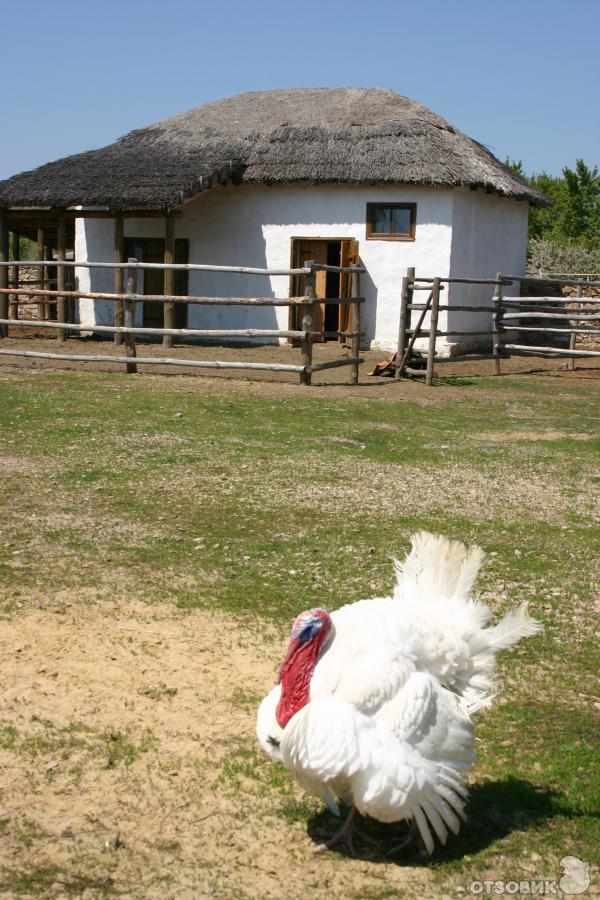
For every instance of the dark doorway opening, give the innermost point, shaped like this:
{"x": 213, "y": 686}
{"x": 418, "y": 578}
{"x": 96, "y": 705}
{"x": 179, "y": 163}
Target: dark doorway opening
{"x": 343, "y": 252}
{"x": 152, "y": 250}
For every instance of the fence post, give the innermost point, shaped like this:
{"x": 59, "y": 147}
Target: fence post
{"x": 13, "y": 303}
{"x": 129, "y": 313}
{"x": 119, "y": 277}
{"x": 169, "y": 280}
{"x": 573, "y": 339}
{"x": 46, "y": 283}
{"x": 3, "y": 272}
{"x": 306, "y": 344}
{"x": 405, "y": 300}
{"x": 496, "y": 325}
{"x": 433, "y": 324}
{"x": 355, "y": 341}
{"x": 61, "y": 275}
{"x": 39, "y": 270}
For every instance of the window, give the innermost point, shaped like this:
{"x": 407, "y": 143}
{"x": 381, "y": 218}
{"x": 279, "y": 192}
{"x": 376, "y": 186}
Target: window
{"x": 391, "y": 221}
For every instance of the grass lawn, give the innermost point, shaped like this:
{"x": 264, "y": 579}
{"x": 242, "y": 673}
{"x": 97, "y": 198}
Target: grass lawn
{"x": 158, "y": 537}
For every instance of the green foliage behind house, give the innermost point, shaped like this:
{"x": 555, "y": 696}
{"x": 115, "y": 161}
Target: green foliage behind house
{"x": 566, "y": 236}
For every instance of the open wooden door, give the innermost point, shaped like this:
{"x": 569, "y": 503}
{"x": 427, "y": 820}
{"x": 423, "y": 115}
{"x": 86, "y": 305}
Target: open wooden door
{"x": 302, "y": 251}
{"x": 348, "y": 257}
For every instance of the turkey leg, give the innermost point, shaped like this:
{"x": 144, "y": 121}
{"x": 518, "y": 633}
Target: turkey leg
{"x": 343, "y": 836}
{"x": 412, "y": 840}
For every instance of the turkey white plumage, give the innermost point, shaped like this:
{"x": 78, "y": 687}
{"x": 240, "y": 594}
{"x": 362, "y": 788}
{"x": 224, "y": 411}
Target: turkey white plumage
{"x": 377, "y": 701}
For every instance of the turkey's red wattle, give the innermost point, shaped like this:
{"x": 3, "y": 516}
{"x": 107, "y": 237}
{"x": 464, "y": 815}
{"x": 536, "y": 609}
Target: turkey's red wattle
{"x": 295, "y": 675}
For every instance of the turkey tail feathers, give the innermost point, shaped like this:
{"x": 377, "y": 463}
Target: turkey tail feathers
{"x": 510, "y": 629}
{"x": 438, "y": 566}
{"x": 434, "y": 587}
{"x": 480, "y": 690}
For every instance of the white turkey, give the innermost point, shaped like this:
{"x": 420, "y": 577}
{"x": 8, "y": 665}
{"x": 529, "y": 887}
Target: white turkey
{"x": 377, "y": 701}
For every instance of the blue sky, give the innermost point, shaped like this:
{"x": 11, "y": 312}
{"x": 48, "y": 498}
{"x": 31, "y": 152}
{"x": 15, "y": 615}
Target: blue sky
{"x": 521, "y": 77}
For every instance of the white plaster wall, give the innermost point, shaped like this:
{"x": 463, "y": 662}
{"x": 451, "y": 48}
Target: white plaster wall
{"x": 94, "y": 241}
{"x": 489, "y": 235}
{"x": 254, "y": 225}
{"x": 459, "y": 233}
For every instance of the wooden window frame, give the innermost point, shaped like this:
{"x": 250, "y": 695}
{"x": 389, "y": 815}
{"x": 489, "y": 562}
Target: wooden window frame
{"x": 378, "y": 236}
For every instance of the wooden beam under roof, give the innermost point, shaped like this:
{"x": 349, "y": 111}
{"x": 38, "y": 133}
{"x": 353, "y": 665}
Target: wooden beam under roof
{"x": 26, "y": 220}
{"x": 4, "y": 271}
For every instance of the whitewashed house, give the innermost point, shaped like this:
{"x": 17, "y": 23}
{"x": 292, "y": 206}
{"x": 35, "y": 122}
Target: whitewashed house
{"x": 277, "y": 177}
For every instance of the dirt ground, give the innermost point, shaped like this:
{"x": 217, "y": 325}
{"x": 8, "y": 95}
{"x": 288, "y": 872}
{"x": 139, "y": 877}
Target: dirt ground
{"x": 130, "y": 724}
{"x": 332, "y": 378}
{"x": 87, "y": 684}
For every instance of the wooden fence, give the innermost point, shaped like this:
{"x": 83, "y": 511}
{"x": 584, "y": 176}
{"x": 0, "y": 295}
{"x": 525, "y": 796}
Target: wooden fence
{"x": 550, "y": 316}
{"x": 125, "y": 304}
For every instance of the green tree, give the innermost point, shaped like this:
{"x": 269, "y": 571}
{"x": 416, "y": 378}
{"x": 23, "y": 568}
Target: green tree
{"x": 581, "y": 213}
{"x": 574, "y": 217}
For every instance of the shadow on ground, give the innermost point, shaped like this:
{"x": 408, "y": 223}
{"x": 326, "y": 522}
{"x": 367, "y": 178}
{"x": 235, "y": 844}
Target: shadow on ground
{"x": 494, "y": 810}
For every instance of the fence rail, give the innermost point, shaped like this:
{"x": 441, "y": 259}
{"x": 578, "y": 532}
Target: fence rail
{"x": 176, "y": 267}
{"x": 182, "y": 267}
{"x": 176, "y": 298}
{"x": 546, "y": 315}
{"x": 306, "y": 335}
{"x": 507, "y": 316}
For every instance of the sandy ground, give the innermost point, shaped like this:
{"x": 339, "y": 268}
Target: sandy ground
{"x": 123, "y": 718}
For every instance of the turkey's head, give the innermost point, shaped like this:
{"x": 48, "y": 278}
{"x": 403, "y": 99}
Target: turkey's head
{"x": 309, "y": 633}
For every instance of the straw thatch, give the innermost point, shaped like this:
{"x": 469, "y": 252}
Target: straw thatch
{"x": 315, "y": 136}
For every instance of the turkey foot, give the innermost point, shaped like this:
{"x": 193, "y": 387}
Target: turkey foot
{"x": 343, "y": 836}
{"x": 412, "y": 841}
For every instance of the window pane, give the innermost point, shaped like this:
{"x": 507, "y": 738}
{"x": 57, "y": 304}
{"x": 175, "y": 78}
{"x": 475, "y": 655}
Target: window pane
{"x": 381, "y": 220}
{"x": 400, "y": 221}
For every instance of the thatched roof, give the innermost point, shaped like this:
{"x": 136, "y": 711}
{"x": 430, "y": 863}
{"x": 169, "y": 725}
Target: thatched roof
{"x": 306, "y": 135}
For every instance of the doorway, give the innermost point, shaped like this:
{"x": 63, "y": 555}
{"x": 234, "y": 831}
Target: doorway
{"x": 328, "y": 317}
{"x": 152, "y": 250}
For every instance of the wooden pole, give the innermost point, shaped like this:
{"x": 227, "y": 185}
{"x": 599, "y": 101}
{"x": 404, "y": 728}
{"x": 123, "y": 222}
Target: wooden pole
{"x": 169, "y": 308}
{"x": 119, "y": 276}
{"x": 40, "y": 270}
{"x": 578, "y": 309}
{"x": 46, "y": 271}
{"x": 306, "y": 344}
{"x": 355, "y": 340}
{"x": 405, "y": 300}
{"x": 193, "y": 267}
{"x": 3, "y": 272}
{"x": 496, "y": 325}
{"x": 13, "y": 300}
{"x": 164, "y": 361}
{"x": 200, "y": 301}
{"x": 415, "y": 332}
{"x": 61, "y": 275}
{"x": 176, "y": 332}
{"x": 129, "y": 316}
{"x": 435, "y": 308}
{"x": 530, "y": 350}
{"x": 591, "y": 315}
{"x": 538, "y": 304}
